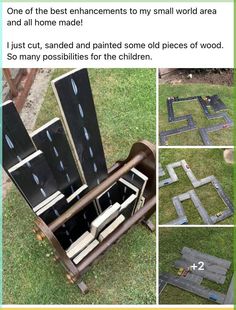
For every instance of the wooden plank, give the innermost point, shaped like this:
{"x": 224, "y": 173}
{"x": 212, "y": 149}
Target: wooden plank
{"x": 139, "y": 180}
{"x": 72, "y": 229}
{"x": 85, "y": 252}
{"x": 75, "y": 100}
{"x": 104, "y": 219}
{"x": 109, "y": 197}
{"x": 128, "y": 204}
{"x": 16, "y": 142}
{"x": 80, "y": 244}
{"x": 109, "y": 229}
{"x": 34, "y": 178}
{"x": 118, "y": 192}
{"x": 51, "y": 139}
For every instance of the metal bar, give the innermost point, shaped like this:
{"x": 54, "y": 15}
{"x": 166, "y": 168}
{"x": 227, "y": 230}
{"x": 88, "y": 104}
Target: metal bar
{"x": 88, "y": 198}
{"x": 116, "y": 235}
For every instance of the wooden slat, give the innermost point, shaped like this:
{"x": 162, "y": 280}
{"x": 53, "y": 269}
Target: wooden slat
{"x": 16, "y": 142}
{"x": 75, "y": 99}
{"x": 34, "y": 178}
{"x": 51, "y": 139}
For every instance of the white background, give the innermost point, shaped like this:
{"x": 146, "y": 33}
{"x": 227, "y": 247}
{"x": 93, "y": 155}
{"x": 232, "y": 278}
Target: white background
{"x": 190, "y": 28}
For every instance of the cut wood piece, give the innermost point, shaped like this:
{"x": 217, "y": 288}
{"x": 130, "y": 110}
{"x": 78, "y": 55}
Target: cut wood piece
{"x": 105, "y": 218}
{"x": 85, "y": 252}
{"x": 16, "y": 142}
{"x": 77, "y": 193}
{"x": 141, "y": 204}
{"x": 34, "y": 178}
{"x": 215, "y": 277}
{"x": 139, "y": 180}
{"x": 128, "y": 204}
{"x": 50, "y": 204}
{"x": 46, "y": 201}
{"x": 216, "y": 103}
{"x": 75, "y": 100}
{"x": 112, "y": 195}
{"x": 193, "y": 287}
{"x": 206, "y": 257}
{"x": 51, "y": 140}
{"x": 106, "y": 232}
{"x": 80, "y": 244}
{"x": 118, "y": 192}
{"x": 229, "y": 299}
{"x": 72, "y": 229}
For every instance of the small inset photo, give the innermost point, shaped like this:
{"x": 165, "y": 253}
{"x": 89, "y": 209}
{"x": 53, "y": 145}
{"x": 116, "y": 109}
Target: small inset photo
{"x": 196, "y": 186}
{"x": 196, "y": 266}
{"x": 196, "y": 106}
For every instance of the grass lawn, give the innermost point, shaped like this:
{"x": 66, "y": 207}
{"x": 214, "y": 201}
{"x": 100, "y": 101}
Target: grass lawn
{"x": 222, "y": 137}
{"x": 125, "y": 104}
{"x": 203, "y": 162}
{"x": 215, "y": 241}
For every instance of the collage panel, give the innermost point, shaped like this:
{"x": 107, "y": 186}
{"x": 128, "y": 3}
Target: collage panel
{"x": 196, "y": 107}
{"x": 196, "y": 186}
{"x": 196, "y": 266}
{"x": 80, "y": 171}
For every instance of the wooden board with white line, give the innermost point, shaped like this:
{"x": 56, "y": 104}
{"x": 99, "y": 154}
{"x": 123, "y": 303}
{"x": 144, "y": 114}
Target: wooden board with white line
{"x": 16, "y": 142}
{"x": 51, "y": 139}
{"x": 75, "y": 100}
{"x": 34, "y": 178}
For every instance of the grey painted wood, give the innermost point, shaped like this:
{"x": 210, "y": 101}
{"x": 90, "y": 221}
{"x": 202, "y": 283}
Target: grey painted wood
{"x": 193, "y": 288}
{"x": 209, "y": 258}
{"x": 229, "y": 299}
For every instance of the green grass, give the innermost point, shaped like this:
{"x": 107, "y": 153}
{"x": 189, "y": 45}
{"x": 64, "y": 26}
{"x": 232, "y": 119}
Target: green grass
{"x": 125, "y": 104}
{"x": 203, "y": 162}
{"x": 216, "y": 241}
{"x": 222, "y": 137}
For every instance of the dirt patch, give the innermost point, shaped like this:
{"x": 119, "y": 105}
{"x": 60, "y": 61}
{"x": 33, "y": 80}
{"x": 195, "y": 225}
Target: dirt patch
{"x": 188, "y": 76}
{"x": 35, "y": 98}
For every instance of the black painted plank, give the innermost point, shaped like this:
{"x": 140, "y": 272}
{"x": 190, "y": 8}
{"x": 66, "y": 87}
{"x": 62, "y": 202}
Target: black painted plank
{"x": 216, "y": 103}
{"x": 72, "y": 229}
{"x": 34, "y": 178}
{"x": 16, "y": 142}
{"x": 139, "y": 180}
{"x": 118, "y": 192}
{"x": 75, "y": 99}
{"x": 109, "y": 197}
{"x": 51, "y": 139}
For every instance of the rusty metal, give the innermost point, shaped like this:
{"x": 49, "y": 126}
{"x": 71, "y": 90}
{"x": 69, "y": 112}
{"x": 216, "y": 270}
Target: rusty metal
{"x": 139, "y": 152}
